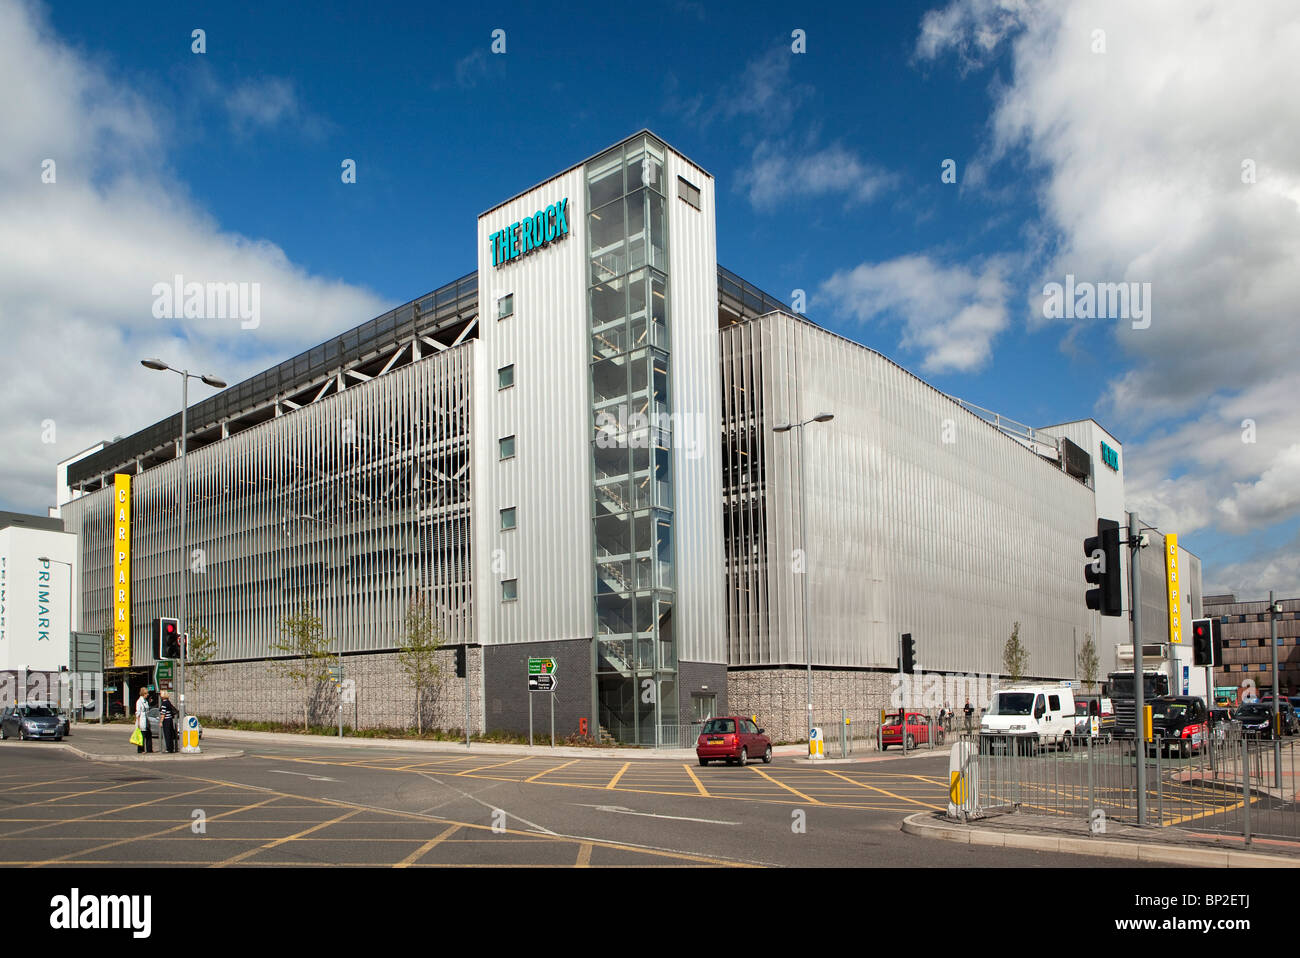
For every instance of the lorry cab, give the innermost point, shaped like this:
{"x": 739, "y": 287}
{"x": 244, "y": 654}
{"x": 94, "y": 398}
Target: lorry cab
{"x": 1029, "y": 716}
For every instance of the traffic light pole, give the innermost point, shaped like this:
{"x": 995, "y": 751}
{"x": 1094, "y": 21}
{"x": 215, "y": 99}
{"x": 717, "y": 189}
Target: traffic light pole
{"x": 1277, "y": 691}
{"x": 1139, "y": 689}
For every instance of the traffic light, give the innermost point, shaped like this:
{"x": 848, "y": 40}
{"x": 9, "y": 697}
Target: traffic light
{"x": 166, "y": 639}
{"x": 1103, "y": 568}
{"x": 909, "y": 654}
{"x": 1202, "y": 642}
{"x": 1217, "y": 630}
{"x": 460, "y": 661}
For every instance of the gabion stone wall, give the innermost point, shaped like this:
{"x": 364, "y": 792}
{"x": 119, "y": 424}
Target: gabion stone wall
{"x": 779, "y": 697}
{"x": 255, "y": 691}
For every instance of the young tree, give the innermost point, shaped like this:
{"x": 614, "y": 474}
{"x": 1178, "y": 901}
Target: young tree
{"x": 303, "y": 637}
{"x": 198, "y": 653}
{"x": 418, "y": 658}
{"x": 1088, "y": 661}
{"x": 1015, "y": 657}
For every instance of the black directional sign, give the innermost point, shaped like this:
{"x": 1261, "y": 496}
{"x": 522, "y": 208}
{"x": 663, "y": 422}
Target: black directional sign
{"x": 541, "y": 683}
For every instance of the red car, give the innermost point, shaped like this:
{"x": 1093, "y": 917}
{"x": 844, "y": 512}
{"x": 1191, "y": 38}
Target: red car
{"x": 918, "y": 730}
{"x": 733, "y": 738}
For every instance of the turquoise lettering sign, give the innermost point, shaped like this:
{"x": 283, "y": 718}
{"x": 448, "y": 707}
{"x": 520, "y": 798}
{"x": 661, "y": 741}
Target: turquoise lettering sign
{"x": 1110, "y": 457}
{"x": 530, "y": 233}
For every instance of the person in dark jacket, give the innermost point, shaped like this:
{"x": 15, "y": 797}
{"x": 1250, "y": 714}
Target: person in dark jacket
{"x": 169, "y": 713}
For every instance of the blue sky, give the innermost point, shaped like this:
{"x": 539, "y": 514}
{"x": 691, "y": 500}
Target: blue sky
{"x": 1069, "y": 158}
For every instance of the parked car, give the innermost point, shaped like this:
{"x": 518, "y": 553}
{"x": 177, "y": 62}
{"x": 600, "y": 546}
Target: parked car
{"x": 1180, "y": 724}
{"x": 31, "y": 721}
{"x": 65, "y": 719}
{"x": 918, "y": 730}
{"x": 732, "y": 738}
{"x": 155, "y": 726}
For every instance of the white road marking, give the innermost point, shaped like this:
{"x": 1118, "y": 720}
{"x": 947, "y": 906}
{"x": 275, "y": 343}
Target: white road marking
{"x": 620, "y": 810}
{"x": 533, "y": 825}
{"x": 314, "y": 778}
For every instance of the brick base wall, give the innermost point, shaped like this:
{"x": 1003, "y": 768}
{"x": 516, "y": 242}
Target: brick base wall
{"x": 385, "y": 696}
{"x": 779, "y": 698}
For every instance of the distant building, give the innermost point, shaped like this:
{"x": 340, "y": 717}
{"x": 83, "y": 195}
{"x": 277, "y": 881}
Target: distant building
{"x": 1246, "y": 631}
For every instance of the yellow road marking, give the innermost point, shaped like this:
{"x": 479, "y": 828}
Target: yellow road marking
{"x": 883, "y": 791}
{"x": 584, "y": 856}
{"x": 480, "y": 768}
{"x": 288, "y": 838}
{"x": 698, "y": 783}
{"x": 546, "y": 771}
{"x": 613, "y": 782}
{"x": 806, "y": 798}
{"x": 423, "y": 849}
{"x": 141, "y": 838}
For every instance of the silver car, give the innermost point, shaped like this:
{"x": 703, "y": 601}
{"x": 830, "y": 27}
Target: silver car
{"x": 31, "y": 721}
{"x": 155, "y": 726}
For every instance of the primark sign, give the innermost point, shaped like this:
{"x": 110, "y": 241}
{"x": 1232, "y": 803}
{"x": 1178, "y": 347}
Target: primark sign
{"x": 530, "y": 233}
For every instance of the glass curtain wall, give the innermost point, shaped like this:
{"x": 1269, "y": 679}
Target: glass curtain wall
{"x": 632, "y": 502}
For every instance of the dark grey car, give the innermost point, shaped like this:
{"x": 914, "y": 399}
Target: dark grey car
{"x": 31, "y": 721}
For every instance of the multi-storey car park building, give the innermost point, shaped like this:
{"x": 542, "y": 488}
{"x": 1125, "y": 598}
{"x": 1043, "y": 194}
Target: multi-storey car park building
{"x": 573, "y": 453}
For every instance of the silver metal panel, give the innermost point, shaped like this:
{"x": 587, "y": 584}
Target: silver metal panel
{"x": 697, "y": 408}
{"x": 347, "y": 506}
{"x": 549, "y": 479}
{"x": 952, "y": 541}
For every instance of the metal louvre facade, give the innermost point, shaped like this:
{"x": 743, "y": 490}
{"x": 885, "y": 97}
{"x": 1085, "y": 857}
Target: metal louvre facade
{"x": 349, "y": 505}
{"x": 922, "y": 517}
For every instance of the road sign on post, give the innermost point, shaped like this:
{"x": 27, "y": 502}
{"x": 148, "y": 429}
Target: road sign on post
{"x": 541, "y": 666}
{"x": 542, "y": 683}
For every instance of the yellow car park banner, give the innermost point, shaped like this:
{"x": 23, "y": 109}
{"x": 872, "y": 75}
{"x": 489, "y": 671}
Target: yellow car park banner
{"x": 121, "y": 571}
{"x": 1175, "y": 602}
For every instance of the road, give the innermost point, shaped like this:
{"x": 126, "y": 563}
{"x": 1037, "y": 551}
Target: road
{"x": 309, "y": 806}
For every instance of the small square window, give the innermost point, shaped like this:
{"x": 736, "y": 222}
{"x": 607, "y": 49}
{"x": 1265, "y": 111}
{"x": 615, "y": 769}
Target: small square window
{"x": 688, "y": 192}
{"x": 506, "y": 306}
{"x": 506, "y": 376}
{"x": 509, "y": 590}
{"x": 506, "y": 448}
{"x": 507, "y": 519}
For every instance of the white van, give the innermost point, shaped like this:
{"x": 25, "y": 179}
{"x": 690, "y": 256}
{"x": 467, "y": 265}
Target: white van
{"x": 1031, "y": 716}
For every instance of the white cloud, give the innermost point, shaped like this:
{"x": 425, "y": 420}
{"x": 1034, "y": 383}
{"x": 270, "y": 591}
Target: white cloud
{"x": 79, "y": 259}
{"x": 949, "y": 313}
{"x": 778, "y": 171}
{"x": 261, "y": 103}
{"x": 1251, "y": 579}
{"x": 1141, "y": 150}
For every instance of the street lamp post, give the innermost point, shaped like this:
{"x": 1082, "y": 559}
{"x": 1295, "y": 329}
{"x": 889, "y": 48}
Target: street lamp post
{"x": 183, "y": 624}
{"x": 803, "y": 546}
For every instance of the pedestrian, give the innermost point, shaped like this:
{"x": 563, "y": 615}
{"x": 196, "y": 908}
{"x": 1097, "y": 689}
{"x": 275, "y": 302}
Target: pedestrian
{"x": 969, "y": 710}
{"x": 142, "y": 722}
{"x": 169, "y": 712}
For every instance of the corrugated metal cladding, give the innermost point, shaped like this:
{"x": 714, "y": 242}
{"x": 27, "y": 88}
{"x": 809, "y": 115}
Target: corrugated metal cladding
{"x": 697, "y": 410}
{"x": 348, "y": 505}
{"x": 922, "y": 517}
{"x": 548, "y": 480}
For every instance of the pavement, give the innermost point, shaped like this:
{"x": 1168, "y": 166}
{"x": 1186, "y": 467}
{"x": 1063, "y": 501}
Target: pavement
{"x": 111, "y": 743}
{"x": 1070, "y": 836}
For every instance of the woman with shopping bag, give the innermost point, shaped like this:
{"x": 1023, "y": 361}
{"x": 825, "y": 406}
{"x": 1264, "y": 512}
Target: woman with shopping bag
{"x": 142, "y": 737}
